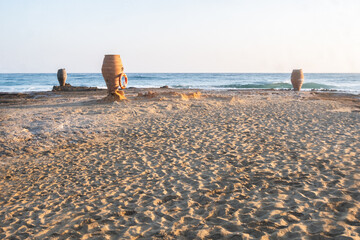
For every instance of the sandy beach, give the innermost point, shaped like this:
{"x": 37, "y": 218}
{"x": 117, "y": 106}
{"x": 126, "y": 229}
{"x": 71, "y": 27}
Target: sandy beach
{"x": 176, "y": 164}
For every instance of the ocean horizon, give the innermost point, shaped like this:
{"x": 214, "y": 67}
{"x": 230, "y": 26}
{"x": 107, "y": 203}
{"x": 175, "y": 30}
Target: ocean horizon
{"x": 38, "y": 82}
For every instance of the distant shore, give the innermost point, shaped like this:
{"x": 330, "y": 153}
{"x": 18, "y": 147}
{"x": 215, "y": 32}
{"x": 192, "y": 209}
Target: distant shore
{"x": 180, "y": 164}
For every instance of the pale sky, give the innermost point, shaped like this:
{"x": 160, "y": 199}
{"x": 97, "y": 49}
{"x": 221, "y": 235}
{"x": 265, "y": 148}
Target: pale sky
{"x": 180, "y": 35}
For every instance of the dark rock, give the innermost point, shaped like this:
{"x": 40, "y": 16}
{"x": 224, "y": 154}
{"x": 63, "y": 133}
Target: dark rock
{"x": 69, "y": 88}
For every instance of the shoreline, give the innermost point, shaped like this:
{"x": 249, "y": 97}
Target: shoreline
{"x": 176, "y": 164}
{"x": 354, "y": 92}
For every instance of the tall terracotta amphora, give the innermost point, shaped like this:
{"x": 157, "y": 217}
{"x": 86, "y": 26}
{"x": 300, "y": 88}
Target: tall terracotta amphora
{"x": 61, "y": 75}
{"x": 297, "y": 79}
{"x": 111, "y": 69}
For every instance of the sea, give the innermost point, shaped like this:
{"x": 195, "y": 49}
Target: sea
{"x": 38, "y": 82}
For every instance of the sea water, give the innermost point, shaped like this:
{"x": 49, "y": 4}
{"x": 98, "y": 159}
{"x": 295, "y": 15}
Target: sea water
{"x": 29, "y": 82}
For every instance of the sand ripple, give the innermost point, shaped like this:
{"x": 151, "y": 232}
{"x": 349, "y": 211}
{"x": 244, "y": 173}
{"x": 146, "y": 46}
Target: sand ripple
{"x": 239, "y": 166}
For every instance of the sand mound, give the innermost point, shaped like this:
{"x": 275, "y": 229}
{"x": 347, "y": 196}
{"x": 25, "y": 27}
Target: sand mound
{"x": 118, "y": 96}
{"x": 148, "y": 94}
{"x": 187, "y": 96}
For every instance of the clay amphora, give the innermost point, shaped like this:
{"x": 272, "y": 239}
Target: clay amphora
{"x": 61, "y": 75}
{"x": 111, "y": 69}
{"x": 297, "y": 79}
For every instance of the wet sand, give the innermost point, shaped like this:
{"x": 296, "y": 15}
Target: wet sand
{"x": 178, "y": 165}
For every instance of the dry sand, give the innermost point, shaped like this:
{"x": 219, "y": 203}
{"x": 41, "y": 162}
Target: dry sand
{"x": 222, "y": 165}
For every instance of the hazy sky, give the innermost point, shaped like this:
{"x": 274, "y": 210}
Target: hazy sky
{"x": 181, "y": 35}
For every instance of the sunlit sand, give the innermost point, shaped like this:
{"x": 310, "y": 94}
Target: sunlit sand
{"x": 169, "y": 164}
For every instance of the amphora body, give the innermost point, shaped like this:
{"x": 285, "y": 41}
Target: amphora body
{"x": 61, "y": 75}
{"x": 297, "y": 79}
{"x": 111, "y": 69}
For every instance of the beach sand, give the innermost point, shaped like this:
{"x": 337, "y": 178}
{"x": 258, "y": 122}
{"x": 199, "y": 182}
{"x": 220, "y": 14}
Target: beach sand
{"x": 171, "y": 164}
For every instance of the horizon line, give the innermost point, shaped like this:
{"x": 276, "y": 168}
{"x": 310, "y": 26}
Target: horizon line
{"x": 184, "y": 72}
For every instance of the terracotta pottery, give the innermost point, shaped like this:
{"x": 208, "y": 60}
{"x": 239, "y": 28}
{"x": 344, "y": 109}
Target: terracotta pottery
{"x": 61, "y": 75}
{"x": 297, "y": 79}
{"x": 111, "y": 69}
